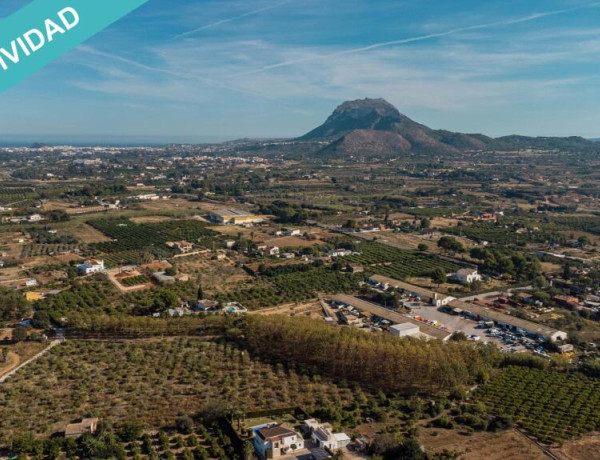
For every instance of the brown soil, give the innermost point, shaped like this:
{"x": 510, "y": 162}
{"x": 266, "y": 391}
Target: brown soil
{"x": 88, "y": 234}
{"x": 482, "y": 446}
{"x": 587, "y": 448}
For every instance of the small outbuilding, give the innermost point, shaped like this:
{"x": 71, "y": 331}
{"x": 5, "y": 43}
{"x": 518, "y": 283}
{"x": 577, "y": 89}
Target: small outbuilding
{"x": 404, "y": 330}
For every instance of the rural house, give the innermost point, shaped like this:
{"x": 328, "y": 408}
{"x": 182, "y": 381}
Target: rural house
{"x": 323, "y": 436}
{"x": 274, "y": 441}
{"x": 467, "y": 276}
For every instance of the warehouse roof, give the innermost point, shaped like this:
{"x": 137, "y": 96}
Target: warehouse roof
{"x": 390, "y": 315}
{"x": 424, "y": 293}
{"x": 231, "y": 213}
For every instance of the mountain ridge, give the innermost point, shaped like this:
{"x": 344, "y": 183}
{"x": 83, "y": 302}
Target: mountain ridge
{"x": 372, "y": 127}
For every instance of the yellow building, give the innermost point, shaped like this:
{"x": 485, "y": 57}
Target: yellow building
{"x": 232, "y": 217}
{"x": 33, "y": 296}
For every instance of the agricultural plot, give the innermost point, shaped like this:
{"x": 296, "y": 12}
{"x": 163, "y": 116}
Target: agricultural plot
{"x": 397, "y": 263}
{"x": 36, "y": 250}
{"x": 565, "y": 223}
{"x": 498, "y": 234}
{"x": 134, "y": 281}
{"x": 90, "y": 298}
{"x": 294, "y": 287}
{"x": 140, "y": 243}
{"x": 430, "y": 212}
{"x": 552, "y": 406}
{"x": 151, "y": 382}
{"x": 216, "y": 275}
{"x": 117, "y": 259}
{"x": 16, "y": 195}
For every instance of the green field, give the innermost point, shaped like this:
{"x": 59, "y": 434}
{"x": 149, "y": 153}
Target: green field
{"x": 294, "y": 287}
{"x": 553, "y": 406}
{"x": 135, "y": 281}
{"x": 138, "y": 243}
{"x": 397, "y": 263}
{"x": 10, "y": 195}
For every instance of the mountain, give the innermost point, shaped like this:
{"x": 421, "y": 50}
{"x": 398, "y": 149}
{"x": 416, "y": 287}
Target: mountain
{"x": 569, "y": 144}
{"x": 374, "y": 127}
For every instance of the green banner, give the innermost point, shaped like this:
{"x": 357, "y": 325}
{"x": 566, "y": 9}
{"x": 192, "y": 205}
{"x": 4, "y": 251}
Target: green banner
{"x": 44, "y": 30}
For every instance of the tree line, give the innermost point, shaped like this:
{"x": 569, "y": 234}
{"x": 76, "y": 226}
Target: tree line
{"x": 389, "y": 363}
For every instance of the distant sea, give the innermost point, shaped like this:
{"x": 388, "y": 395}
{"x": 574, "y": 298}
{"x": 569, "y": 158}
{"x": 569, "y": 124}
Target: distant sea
{"x": 107, "y": 141}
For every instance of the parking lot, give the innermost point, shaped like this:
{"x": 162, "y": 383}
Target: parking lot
{"x": 454, "y": 323}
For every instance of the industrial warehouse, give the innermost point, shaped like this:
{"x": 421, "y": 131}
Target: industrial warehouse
{"x": 475, "y": 312}
{"x": 425, "y": 331}
{"x": 235, "y": 217}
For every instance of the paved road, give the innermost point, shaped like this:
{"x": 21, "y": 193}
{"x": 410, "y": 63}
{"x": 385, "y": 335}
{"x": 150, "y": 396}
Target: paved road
{"x": 29, "y": 361}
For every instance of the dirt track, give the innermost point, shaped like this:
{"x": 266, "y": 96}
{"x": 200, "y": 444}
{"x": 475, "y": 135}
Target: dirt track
{"x": 13, "y": 362}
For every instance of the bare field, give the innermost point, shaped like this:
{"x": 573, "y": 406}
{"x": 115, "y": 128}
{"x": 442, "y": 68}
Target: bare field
{"x": 88, "y": 234}
{"x": 216, "y": 275}
{"x": 291, "y": 241}
{"x": 87, "y": 210}
{"x": 412, "y": 241}
{"x": 482, "y": 446}
{"x": 149, "y": 219}
{"x": 168, "y": 206}
{"x": 38, "y": 261}
{"x": 311, "y": 309}
{"x": 587, "y": 448}
{"x": 234, "y": 230}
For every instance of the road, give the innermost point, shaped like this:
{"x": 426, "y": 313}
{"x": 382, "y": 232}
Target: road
{"x": 30, "y": 360}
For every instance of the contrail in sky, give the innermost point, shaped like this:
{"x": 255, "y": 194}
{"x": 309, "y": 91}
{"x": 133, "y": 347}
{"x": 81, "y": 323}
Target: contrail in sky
{"x": 235, "y": 18}
{"x": 489, "y": 25}
{"x": 180, "y": 75}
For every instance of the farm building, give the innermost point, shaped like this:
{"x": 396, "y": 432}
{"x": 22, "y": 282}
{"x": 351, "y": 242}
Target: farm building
{"x": 354, "y": 268}
{"x": 76, "y": 430}
{"x": 467, "y": 276}
{"x": 91, "y": 266}
{"x": 323, "y": 436}
{"x": 404, "y": 330}
{"x": 427, "y": 296}
{"x": 233, "y": 217}
{"x": 34, "y": 296}
{"x": 183, "y": 246}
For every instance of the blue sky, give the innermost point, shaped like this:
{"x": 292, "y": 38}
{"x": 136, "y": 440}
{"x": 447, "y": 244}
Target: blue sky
{"x": 196, "y": 70}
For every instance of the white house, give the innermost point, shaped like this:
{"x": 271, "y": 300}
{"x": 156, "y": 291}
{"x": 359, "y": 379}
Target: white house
{"x": 340, "y": 253}
{"x": 274, "y": 441}
{"x": 404, "y": 330}
{"x": 35, "y": 218}
{"x": 91, "y": 266}
{"x": 323, "y": 436}
{"x": 467, "y": 275}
